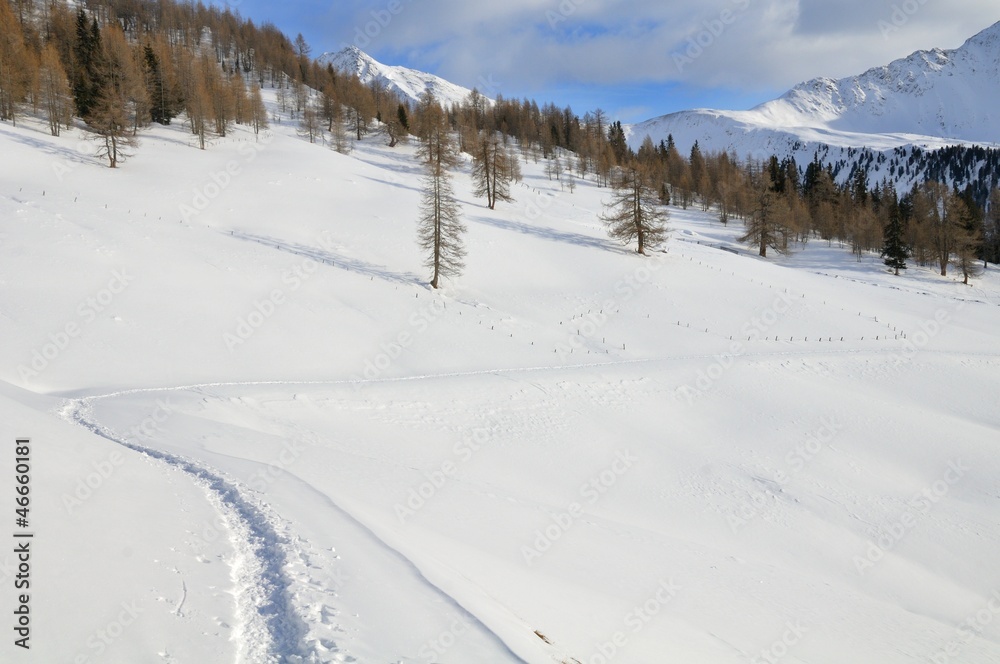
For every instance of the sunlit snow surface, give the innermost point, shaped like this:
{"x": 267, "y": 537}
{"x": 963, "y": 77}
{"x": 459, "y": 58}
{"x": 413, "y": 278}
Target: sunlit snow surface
{"x": 296, "y": 451}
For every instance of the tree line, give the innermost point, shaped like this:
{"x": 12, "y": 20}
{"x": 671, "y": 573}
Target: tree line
{"x": 120, "y": 65}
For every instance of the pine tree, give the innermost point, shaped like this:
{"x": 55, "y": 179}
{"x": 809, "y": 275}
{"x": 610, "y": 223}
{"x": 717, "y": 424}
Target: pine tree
{"x": 894, "y": 250}
{"x": 619, "y": 146}
{"x": 493, "y": 169}
{"x": 633, "y": 212}
{"x": 440, "y": 227}
{"x": 991, "y": 241}
{"x": 160, "y": 110}
{"x": 404, "y": 119}
{"x": 87, "y": 73}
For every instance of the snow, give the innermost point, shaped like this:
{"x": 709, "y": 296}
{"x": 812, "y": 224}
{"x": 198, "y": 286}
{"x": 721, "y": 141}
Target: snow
{"x": 409, "y": 84}
{"x": 570, "y": 453}
{"x": 930, "y": 99}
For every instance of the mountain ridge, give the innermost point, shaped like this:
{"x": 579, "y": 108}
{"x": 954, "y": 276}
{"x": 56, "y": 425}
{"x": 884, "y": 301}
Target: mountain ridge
{"x": 408, "y": 83}
{"x": 931, "y": 98}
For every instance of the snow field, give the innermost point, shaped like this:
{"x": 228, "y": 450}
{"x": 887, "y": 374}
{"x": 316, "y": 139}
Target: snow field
{"x": 571, "y": 453}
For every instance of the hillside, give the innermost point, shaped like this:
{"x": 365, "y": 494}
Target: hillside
{"x": 303, "y": 454}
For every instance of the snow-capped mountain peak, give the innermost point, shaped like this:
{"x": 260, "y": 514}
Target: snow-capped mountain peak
{"x": 408, "y": 83}
{"x": 930, "y": 97}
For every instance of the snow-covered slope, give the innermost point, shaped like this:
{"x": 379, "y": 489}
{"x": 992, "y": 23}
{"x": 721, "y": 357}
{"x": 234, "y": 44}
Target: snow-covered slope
{"x": 408, "y": 83}
{"x": 261, "y": 438}
{"x": 930, "y": 98}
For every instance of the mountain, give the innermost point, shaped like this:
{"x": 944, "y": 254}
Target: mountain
{"x": 407, "y": 83}
{"x": 931, "y": 99}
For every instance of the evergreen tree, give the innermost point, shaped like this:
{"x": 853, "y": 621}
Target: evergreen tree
{"x": 991, "y": 240}
{"x": 894, "y": 250}
{"x": 87, "y": 73}
{"x": 619, "y": 147}
{"x": 162, "y": 108}
{"x": 440, "y": 228}
{"x": 633, "y": 212}
{"x": 404, "y": 120}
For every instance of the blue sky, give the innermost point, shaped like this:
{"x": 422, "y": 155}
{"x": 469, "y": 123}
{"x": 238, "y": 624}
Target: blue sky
{"x": 636, "y": 59}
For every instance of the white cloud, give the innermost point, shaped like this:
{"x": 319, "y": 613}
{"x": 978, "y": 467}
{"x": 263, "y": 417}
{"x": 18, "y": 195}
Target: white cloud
{"x": 745, "y": 45}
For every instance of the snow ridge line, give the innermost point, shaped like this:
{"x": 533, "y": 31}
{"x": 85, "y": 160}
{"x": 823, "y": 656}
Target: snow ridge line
{"x": 272, "y": 631}
{"x": 507, "y": 371}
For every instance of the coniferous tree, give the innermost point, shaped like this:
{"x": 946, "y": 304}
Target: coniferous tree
{"x": 633, "y": 213}
{"x": 768, "y": 214}
{"x": 116, "y": 112}
{"x": 618, "y": 144}
{"x": 87, "y": 72}
{"x": 197, "y": 104}
{"x": 991, "y": 239}
{"x": 257, "y": 110}
{"x": 55, "y": 92}
{"x": 493, "y": 169}
{"x": 967, "y": 238}
{"x": 240, "y": 99}
{"x": 310, "y": 124}
{"x": 894, "y": 249}
{"x": 13, "y": 65}
{"x": 440, "y": 227}
{"x": 161, "y": 110}
{"x": 403, "y": 117}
